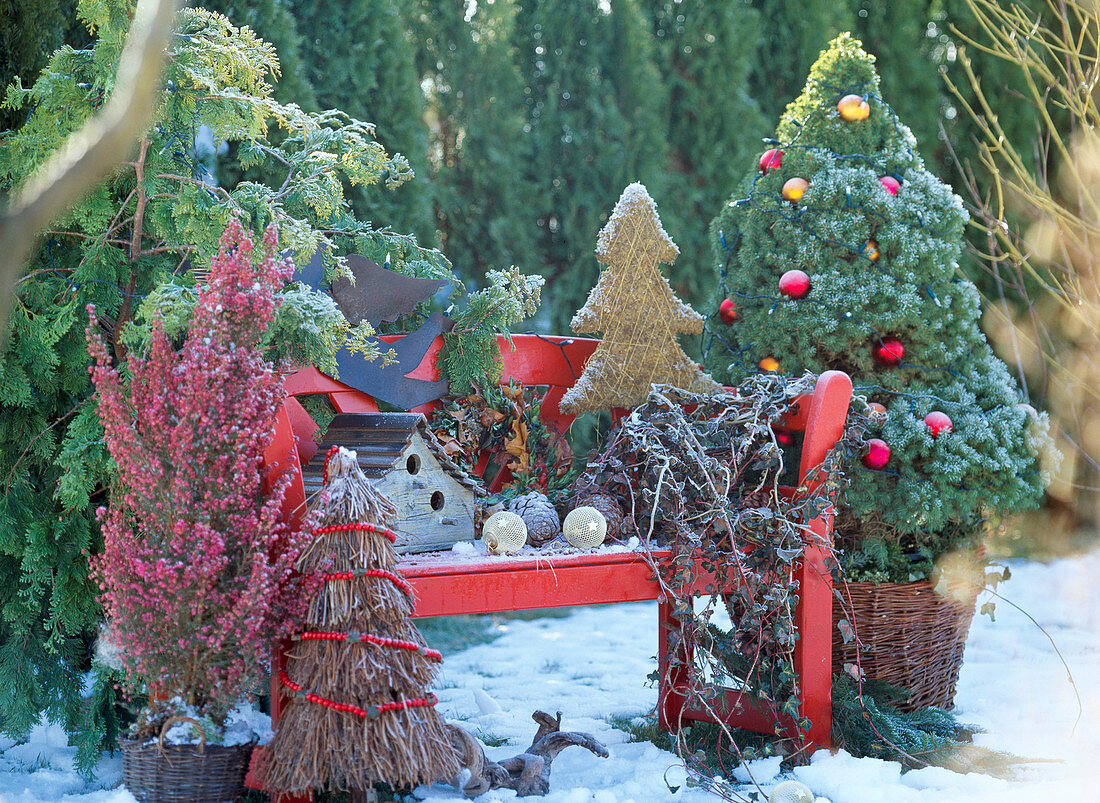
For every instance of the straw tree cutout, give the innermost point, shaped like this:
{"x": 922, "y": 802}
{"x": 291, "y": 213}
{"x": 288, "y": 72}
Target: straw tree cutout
{"x": 635, "y": 308}
{"x": 359, "y": 712}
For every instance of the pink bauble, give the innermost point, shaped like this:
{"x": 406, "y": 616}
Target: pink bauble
{"x": 889, "y": 351}
{"x": 891, "y": 184}
{"x": 773, "y": 157}
{"x": 727, "y": 311}
{"x": 878, "y": 454}
{"x": 937, "y": 423}
{"x": 794, "y": 283}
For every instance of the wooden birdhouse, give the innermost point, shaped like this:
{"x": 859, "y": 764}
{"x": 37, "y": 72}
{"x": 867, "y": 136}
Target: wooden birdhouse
{"x": 405, "y": 461}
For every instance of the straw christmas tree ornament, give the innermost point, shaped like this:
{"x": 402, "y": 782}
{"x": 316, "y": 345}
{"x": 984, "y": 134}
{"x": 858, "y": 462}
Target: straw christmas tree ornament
{"x": 359, "y": 712}
{"x": 635, "y": 308}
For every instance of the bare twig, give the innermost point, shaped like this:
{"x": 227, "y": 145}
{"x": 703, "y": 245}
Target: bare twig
{"x": 91, "y": 153}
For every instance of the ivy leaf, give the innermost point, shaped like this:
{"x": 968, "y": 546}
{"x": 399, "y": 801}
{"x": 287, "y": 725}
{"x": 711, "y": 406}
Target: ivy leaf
{"x": 846, "y": 631}
{"x": 787, "y": 555}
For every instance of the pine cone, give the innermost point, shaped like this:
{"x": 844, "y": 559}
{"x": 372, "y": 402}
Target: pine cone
{"x": 539, "y": 515}
{"x": 612, "y": 511}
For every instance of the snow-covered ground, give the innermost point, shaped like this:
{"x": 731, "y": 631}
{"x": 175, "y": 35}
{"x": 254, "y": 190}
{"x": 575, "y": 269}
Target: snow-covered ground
{"x": 592, "y": 666}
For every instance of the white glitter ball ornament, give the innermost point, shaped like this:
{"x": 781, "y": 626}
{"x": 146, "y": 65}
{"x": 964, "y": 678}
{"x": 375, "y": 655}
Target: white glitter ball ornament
{"x": 504, "y": 532}
{"x": 791, "y": 792}
{"x": 584, "y": 527}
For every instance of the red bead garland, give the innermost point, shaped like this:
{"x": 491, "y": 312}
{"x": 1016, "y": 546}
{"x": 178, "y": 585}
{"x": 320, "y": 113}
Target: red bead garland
{"x": 366, "y": 528}
{"x": 381, "y": 641}
{"x": 396, "y": 579}
{"x": 366, "y": 713}
{"x": 328, "y": 456}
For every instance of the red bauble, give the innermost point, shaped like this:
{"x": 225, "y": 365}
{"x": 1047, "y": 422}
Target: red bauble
{"x": 889, "y": 351}
{"x": 773, "y": 157}
{"x": 937, "y": 423}
{"x": 727, "y": 311}
{"x": 890, "y": 184}
{"x": 783, "y": 436}
{"x": 794, "y": 283}
{"x": 878, "y": 454}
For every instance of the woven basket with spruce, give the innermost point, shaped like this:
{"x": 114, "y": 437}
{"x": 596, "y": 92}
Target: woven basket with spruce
{"x": 538, "y": 513}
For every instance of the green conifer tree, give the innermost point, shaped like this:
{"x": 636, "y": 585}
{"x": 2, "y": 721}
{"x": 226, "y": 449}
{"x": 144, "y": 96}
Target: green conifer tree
{"x": 584, "y": 142}
{"x": 792, "y": 33}
{"x": 480, "y": 150}
{"x": 132, "y": 248}
{"x": 883, "y": 303}
{"x": 707, "y": 50}
{"x": 360, "y": 59}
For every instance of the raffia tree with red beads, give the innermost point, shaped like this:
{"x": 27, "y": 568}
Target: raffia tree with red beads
{"x": 197, "y": 571}
{"x": 359, "y": 712}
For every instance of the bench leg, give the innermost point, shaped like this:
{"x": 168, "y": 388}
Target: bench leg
{"x": 671, "y": 670}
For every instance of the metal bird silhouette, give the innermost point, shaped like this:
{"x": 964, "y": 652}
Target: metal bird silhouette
{"x": 378, "y": 295}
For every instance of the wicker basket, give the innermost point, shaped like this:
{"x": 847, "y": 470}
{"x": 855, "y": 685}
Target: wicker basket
{"x": 909, "y": 636}
{"x": 159, "y": 773}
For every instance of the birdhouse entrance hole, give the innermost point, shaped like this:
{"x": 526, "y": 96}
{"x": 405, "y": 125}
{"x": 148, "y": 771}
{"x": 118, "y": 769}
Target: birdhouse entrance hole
{"x": 413, "y": 466}
{"x": 437, "y": 500}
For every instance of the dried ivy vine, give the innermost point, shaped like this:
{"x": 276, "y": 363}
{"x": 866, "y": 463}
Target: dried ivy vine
{"x": 701, "y": 477}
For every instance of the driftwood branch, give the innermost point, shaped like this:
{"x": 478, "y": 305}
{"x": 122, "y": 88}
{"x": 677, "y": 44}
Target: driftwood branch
{"x": 529, "y": 772}
{"x": 91, "y": 153}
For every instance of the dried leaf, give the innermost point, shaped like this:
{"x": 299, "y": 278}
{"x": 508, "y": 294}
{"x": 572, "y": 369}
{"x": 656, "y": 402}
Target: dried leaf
{"x": 489, "y": 417}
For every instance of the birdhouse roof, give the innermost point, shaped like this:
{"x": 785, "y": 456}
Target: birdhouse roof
{"x": 379, "y": 440}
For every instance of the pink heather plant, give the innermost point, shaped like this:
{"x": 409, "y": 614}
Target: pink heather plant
{"x": 197, "y": 571}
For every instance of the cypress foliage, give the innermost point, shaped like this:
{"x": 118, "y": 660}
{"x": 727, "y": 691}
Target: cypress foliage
{"x": 31, "y": 31}
{"x": 275, "y": 22}
{"x": 360, "y": 58}
{"x": 706, "y": 53}
{"x": 126, "y": 248}
{"x": 584, "y": 146}
{"x": 476, "y": 100}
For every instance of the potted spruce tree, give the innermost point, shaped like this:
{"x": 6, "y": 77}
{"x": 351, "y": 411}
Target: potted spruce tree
{"x": 197, "y": 570}
{"x": 840, "y": 250}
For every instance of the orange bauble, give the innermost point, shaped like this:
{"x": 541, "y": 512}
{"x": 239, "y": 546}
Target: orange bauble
{"x": 769, "y": 364}
{"x": 794, "y": 189}
{"x": 853, "y": 108}
{"x": 870, "y": 250}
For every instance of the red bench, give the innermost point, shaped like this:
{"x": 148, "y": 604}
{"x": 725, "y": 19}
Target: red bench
{"x": 448, "y": 584}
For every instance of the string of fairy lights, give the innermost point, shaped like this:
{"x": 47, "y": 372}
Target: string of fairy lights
{"x": 852, "y": 105}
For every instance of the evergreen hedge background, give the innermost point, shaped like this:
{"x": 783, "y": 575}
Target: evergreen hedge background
{"x": 524, "y": 119}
